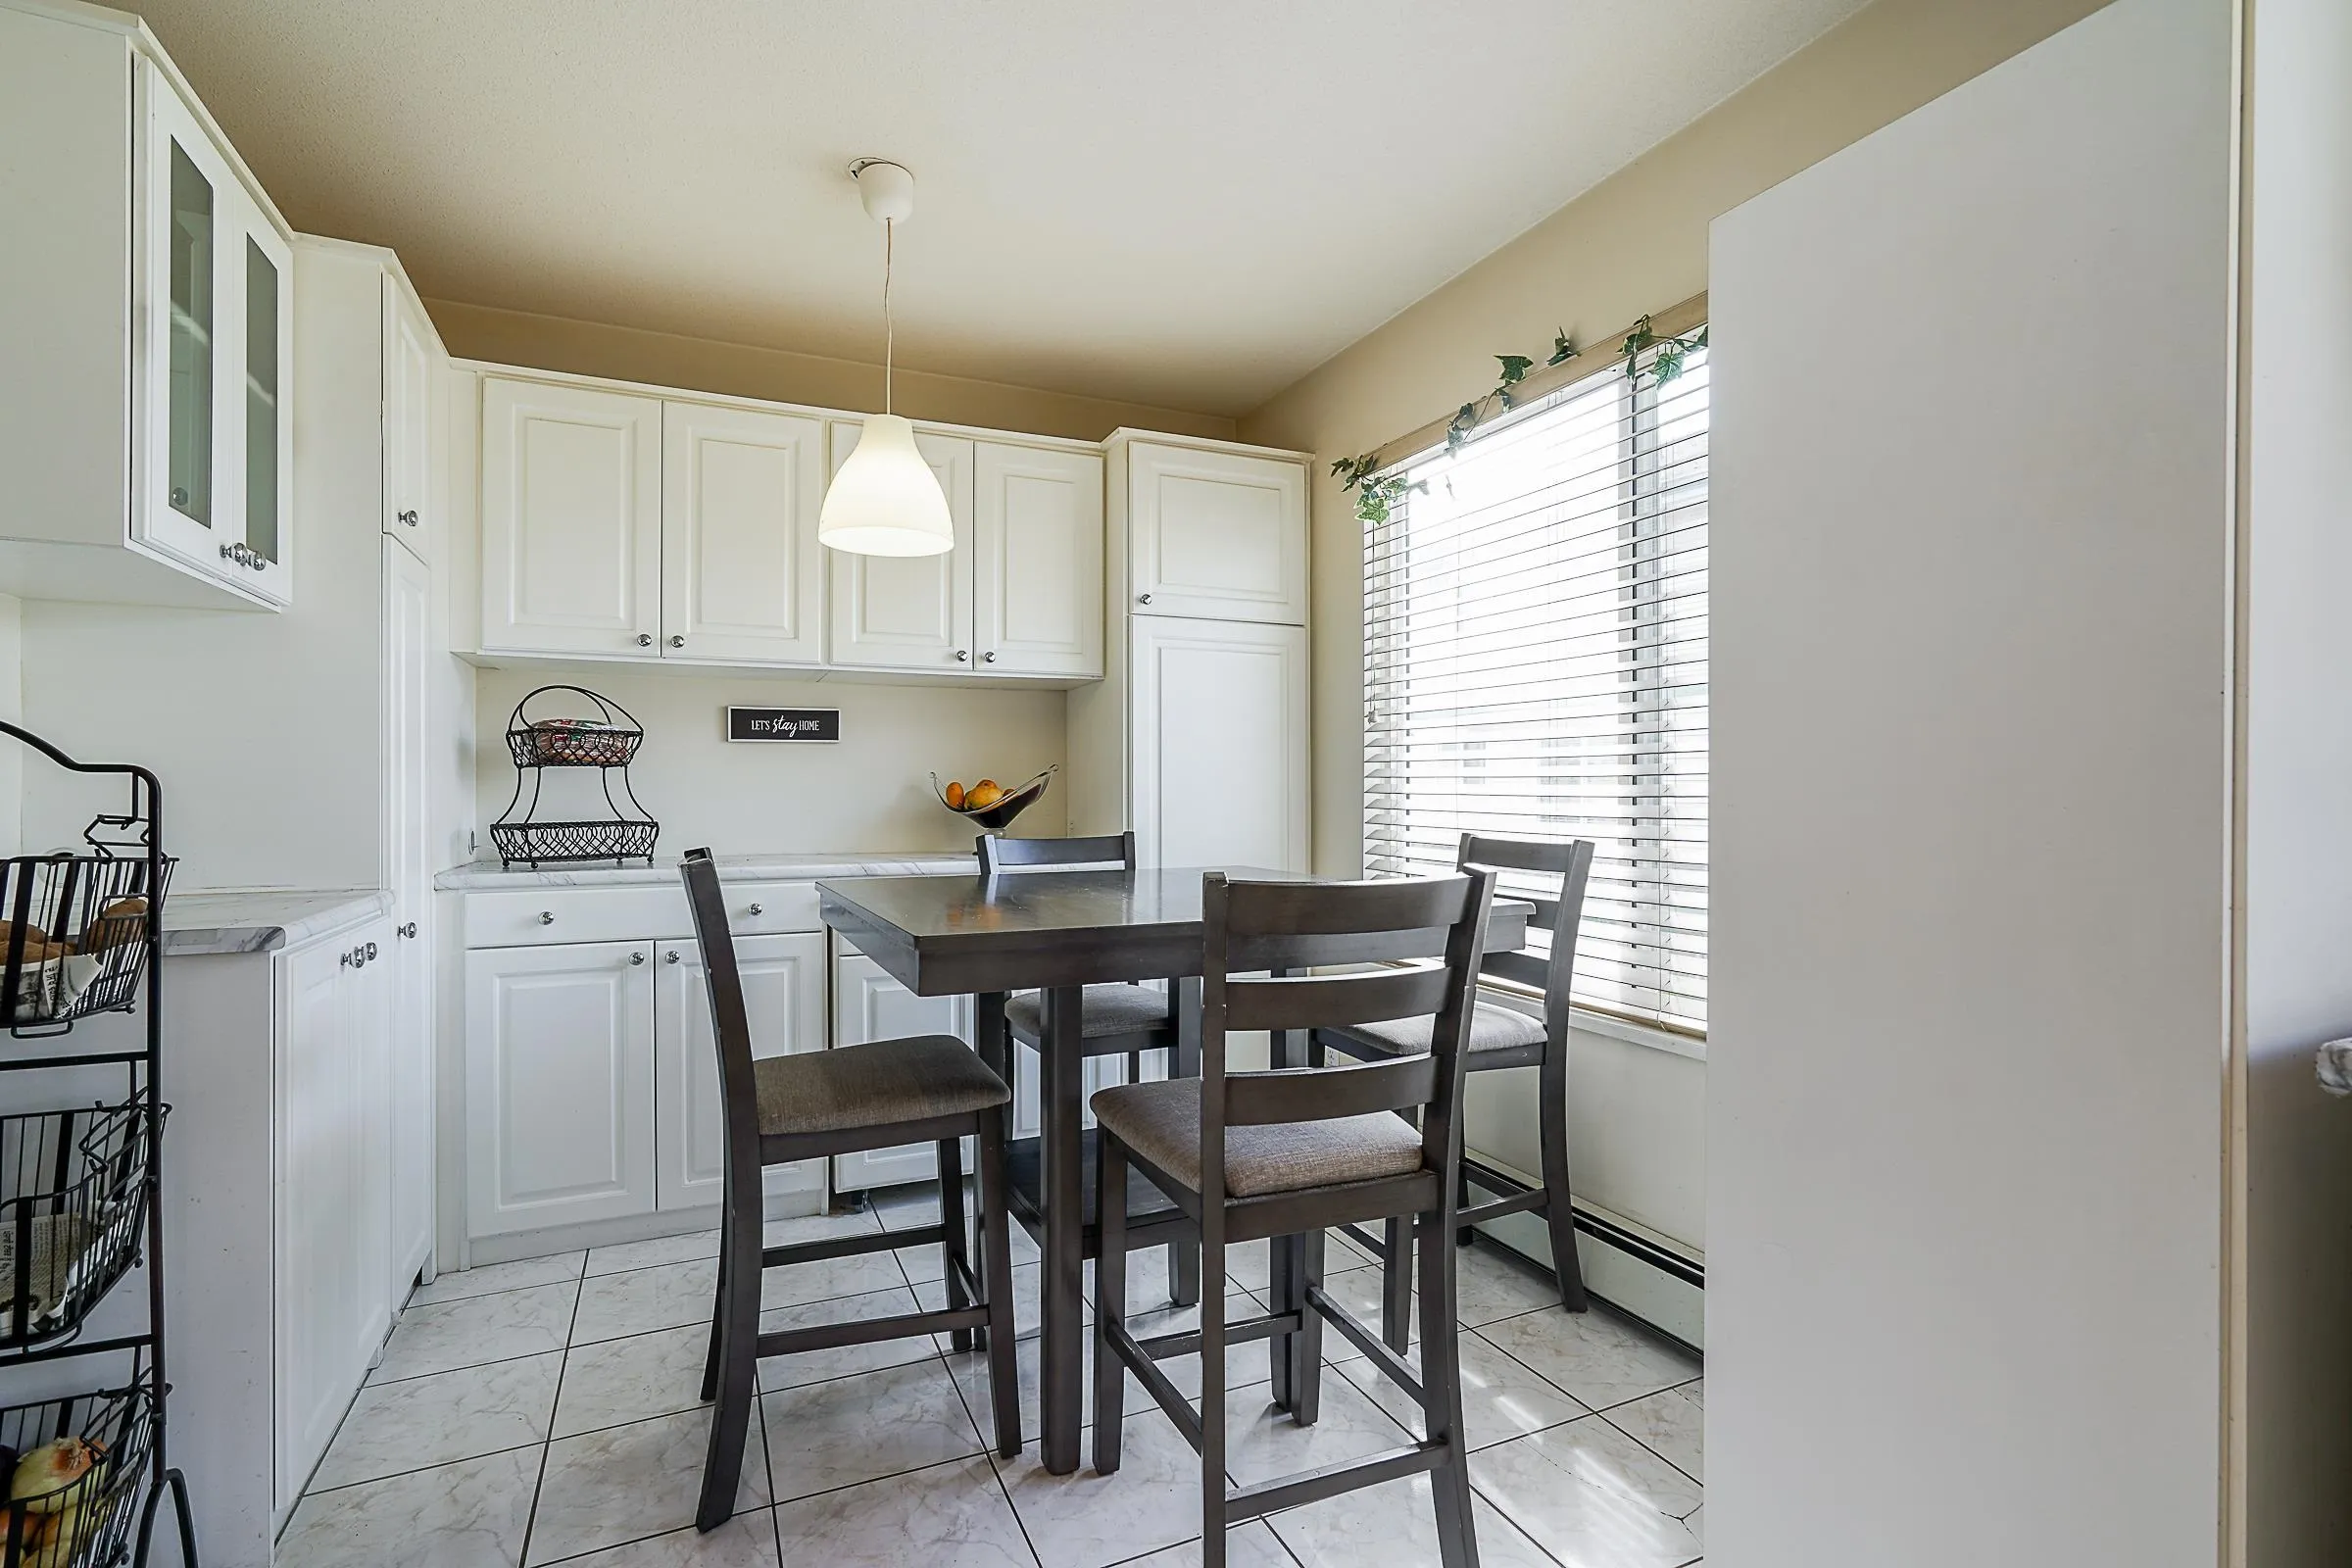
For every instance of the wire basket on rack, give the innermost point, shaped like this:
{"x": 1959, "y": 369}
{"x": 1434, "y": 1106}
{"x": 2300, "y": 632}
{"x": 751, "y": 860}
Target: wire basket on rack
{"x": 73, "y": 933}
{"x": 85, "y": 1521}
{"x": 74, "y": 1197}
{"x": 609, "y": 740}
{"x": 526, "y": 842}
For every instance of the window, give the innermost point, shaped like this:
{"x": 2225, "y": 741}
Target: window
{"x": 1535, "y": 665}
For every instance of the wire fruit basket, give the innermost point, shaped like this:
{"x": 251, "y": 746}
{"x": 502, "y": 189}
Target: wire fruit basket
{"x": 74, "y": 1197}
{"x": 997, "y": 815}
{"x": 607, "y": 741}
{"x": 86, "y": 1521}
{"x": 73, "y": 930}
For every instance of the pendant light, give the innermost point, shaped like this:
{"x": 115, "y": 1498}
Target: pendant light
{"x": 886, "y": 501}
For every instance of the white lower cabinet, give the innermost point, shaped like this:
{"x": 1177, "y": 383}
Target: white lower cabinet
{"x": 334, "y": 1179}
{"x": 560, "y": 1085}
{"x": 784, "y": 998}
{"x": 868, "y": 1004}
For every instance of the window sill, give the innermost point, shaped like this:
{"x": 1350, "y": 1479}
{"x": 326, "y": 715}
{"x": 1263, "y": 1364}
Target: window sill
{"x": 1601, "y": 1023}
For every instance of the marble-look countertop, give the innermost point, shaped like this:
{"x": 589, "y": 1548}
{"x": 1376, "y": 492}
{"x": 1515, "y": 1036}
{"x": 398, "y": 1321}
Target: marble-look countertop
{"x": 482, "y": 876}
{"x": 262, "y": 921}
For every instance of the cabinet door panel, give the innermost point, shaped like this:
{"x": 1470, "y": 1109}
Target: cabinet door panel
{"x": 742, "y": 573}
{"x": 911, "y": 612}
{"x": 1038, "y": 562}
{"x": 408, "y": 673}
{"x": 410, "y": 509}
{"x": 784, "y": 996}
{"x": 195, "y": 294}
{"x": 571, "y": 519}
{"x": 868, "y": 1004}
{"x": 1216, "y": 533}
{"x": 559, "y": 1092}
{"x": 264, "y": 426}
{"x": 1220, "y": 743}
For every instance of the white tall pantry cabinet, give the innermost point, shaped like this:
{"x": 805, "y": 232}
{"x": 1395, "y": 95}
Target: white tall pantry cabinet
{"x": 1197, "y": 737}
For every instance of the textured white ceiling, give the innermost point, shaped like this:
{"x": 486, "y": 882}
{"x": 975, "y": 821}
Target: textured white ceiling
{"x": 1190, "y": 203}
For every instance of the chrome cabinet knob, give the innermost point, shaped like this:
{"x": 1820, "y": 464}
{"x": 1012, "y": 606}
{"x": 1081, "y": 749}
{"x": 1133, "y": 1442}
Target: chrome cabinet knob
{"x": 672, "y": 957}
{"x": 963, "y": 655}
{"x": 408, "y": 517}
{"x": 636, "y": 957}
{"x": 1143, "y": 599}
{"x": 371, "y": 950}
{"x": 677, "y": 642}
{"x": 990, "y": 656}
{"x": 547, "y": 918}
{"x": 754, "y": 909}
{"x": 409, "y": 930}
{"x": 645, "y": 639}
{"x": 347, "y": 960}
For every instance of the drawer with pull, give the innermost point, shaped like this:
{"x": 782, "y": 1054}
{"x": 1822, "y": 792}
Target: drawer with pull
{"x": 547, "y": 915}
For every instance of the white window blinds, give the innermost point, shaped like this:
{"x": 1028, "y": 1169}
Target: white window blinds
{"x": 1536, "y": 666}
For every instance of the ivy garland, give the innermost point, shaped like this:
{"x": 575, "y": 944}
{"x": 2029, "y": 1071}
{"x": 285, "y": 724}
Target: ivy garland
{"x": 1378, "y": 494}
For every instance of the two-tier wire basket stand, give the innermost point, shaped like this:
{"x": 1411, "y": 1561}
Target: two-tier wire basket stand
{"x": 81, "y": 1188}
{"x": 608, "y": 742}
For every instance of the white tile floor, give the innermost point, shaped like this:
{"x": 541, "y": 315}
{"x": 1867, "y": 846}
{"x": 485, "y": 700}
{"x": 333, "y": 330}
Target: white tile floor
{"x": 544, "y": 1411}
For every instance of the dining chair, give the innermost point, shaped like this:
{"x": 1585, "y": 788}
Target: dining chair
{"x": 812, "y": 1105}
{"x": 1114, "y": 1019}
{"x": 1283, "y": 1155}
{"x": 1499, "y": 1038}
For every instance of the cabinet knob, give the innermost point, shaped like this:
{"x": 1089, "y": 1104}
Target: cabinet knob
{"x": 408, "y": 517}
{"x": 990, "y": 657}
{"x": 636, "y": 957}
{"x": 371, "y": 950}
{"x": 963, "y": 655}
{"x": 753, "y": 910}
{"x": 228, "y": 551}
{"x": 677, "y": 642}
{"x": 672, "y": 957}
{"x": 347, "y": 960}
{"x": 1143, "y": 599}
{"x": 547, "y": 918}
{"x": 409, "y": 930}
{"x": 645, "y": 639}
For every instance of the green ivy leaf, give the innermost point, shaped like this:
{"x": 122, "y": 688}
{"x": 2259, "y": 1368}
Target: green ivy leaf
{"x": 1562, "y": 351}
{"x": 1514, "y": 367}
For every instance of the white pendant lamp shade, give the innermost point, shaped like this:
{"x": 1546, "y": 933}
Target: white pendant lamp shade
{"x": 886, "y": 501}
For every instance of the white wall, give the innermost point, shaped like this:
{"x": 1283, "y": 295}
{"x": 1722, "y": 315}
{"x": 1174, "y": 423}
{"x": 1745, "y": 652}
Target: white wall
{"x": 1965, "y": 1084}
{"x": 2298, "y": 780}
{"x": 11, "y": 709}
{"x": 868, "y": 791}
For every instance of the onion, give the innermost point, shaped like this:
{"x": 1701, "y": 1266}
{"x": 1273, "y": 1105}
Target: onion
{"x": 43, "y": 1475}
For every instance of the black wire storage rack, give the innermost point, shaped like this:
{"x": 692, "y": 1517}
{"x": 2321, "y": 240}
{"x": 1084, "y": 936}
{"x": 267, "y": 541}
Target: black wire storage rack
{"x": 607, "y": 743}
{"x": 80, "y": 1188}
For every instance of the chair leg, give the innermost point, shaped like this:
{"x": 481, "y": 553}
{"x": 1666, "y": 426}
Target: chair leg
{"x": 996, "y": 1266}
{"x": 1461, "y": 1199}
{"x": 952, "y": 1241}
{"x": 1558, "y": 1211}
{"x": 1442, "y": 1396}
{"x": 739, "y": 1330}
{"x": 1283, "y": 1295}
{"x": 718, "y": 1314}
{"x": 1212, "y": 1408}
{"x": 1306, "y": 1346}
{"x": 1397, "y": 1283}
{"x": 1110, "y": 1300}
{"x": 1184, "y": 1062}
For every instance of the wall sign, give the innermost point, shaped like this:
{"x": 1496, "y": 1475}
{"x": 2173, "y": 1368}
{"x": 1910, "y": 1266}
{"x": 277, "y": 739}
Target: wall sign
{"x": 783, "y": 723}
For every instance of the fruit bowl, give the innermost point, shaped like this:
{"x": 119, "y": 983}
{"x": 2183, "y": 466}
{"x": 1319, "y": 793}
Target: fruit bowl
{"x": 997, "y": 815}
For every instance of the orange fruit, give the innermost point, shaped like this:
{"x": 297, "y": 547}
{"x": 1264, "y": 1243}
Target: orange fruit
{"x": 955, "y": 795}
{"x": 983, "y": 795}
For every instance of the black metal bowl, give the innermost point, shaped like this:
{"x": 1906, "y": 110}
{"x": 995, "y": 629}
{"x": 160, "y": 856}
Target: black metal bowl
{"x": 997, "y": 815}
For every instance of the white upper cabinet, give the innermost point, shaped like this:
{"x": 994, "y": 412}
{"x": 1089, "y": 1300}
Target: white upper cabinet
{"x": 1037, "y": 563}
{"x": 742, "y": 573}
{"x": 1218, "y": 534}
{"x": 571, "y": 519}
{"x": 1219, "y": 743}
{"x": 412, "y": 500}
{"x": 912, "y": 613}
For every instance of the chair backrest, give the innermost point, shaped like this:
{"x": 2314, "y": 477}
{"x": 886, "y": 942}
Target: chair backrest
{"x": 1562, "y": 914}
{"x": 1102, "y": 852}
{"x": 1427, "y": 932}
{"x": 730, "y": 1023}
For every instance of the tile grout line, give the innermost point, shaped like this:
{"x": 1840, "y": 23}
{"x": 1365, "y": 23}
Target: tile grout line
{"x": 531, "y": 1524}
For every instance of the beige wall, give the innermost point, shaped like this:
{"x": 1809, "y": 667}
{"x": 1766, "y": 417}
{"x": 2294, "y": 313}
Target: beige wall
{"x": 868, "y": 791}
{"x": 1637, "y": 242}
{"x": 586, "y": 348}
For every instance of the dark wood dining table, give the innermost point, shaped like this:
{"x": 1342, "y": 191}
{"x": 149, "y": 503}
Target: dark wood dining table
{"x": 1058, "y": 932}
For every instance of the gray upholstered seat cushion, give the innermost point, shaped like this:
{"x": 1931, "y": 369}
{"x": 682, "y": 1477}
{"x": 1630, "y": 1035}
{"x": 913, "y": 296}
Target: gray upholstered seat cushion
{"x": 1490, "y": 1029}
{"x": 1110, "y": 1010}
{"x": 874, "y": 1084}
{"x": 1161, "y": 1122}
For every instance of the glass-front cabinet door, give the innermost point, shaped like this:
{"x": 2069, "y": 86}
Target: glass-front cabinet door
{"x": 218, "y": 360}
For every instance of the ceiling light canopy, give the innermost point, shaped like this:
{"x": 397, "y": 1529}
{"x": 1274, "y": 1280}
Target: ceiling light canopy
{"x": 886, "y": 501}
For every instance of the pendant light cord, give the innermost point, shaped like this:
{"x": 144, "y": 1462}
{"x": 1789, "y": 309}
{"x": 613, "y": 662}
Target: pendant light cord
{"x": 889, "y": 333}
